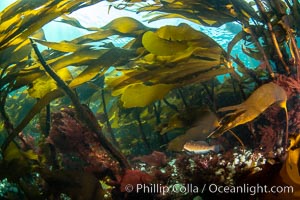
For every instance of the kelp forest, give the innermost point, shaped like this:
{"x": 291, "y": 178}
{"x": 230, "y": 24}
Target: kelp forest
{"x": 170, "y": 109}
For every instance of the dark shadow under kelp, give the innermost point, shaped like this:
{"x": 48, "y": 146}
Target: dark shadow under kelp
{"x": 128, "y": 126}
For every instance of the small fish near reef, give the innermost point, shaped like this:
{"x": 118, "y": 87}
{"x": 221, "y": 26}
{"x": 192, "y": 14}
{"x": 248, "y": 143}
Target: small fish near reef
{"x": 200, "y": 147}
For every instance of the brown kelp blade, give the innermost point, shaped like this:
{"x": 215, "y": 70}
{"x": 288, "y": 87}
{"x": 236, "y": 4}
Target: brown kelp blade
{"x": 290, "y": 172}
{"x": 261, "y": 99}
{"x": 208, "y": 13}
{"x": 173, "y": 56}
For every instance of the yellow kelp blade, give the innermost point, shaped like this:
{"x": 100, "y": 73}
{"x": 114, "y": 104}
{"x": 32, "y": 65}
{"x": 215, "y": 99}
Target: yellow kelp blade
{"x": 105, "y": 58}
{"x": 178, "y": 55}
{"x": 170, "y": 42}
{"x": 45, "y": 84}
{"x": 161, "y": 47}
{"x": 187, "y": 73}
{"x": 17, "y": 163}
{"x": 83, "y": 57}
{"x": 62, "y": 46}
{"x": 9, "y": 24}
{"x": 95, "y": 60}
{"x": 140, "y": 95}
{"x": 103, "y": 62}
{"x": 177, "y": 40}
{"x": 208, "y": 13}
{"x": 182, "y": 32}
{"x": 290, "y": 172}
{"x": 94, "y": 37}
{"x": 158, "y": 75}
{"x": 257, "y": 103}
{"x": 20, "y": 52}
{"x": 172, "y": 16}
{"x": 19, "y": 6}
{"x": 13, "y": 30}
{"x": 116, "y": 81}
{"x": 74, "y": 22}
{"x": 21, "y": 20}
{"x": 41, "y": 103}
{"x": 82, "y": 78}
{"x": 126, "y": 25}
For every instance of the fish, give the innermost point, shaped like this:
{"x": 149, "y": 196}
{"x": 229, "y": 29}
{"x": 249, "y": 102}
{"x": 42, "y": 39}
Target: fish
{"x": 200, "y": 147}
{"x": 200, "y": 126}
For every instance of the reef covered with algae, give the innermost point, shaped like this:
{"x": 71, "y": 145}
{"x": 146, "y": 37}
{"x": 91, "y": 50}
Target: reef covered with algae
{"x": 167, "y": 113}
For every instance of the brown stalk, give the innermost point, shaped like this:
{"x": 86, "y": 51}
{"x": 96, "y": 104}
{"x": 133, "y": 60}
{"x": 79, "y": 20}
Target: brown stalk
{"x": 210, "y": 96}
{"x": 250, "y": 72}
{"x": 7, "y": 123}
{"x": 109, "y": 128}
{"x": 265, "y": 58}
{"x": 83, "y": 113}
{"x": 293, "y": 46}
{"x": 142, "y": 132}
{"x": 273, "y": 37}
{"x": 237, "y": 138}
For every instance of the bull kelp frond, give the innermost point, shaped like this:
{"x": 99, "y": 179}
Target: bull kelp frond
{"x": 82, "y": 52}
{"x": 208, "y": 13}
{"x": 22, "y": 19}
{"x": 262, "y": 98}
{"x": 168, "y": 57}
{"x": 173, "y": 56}
{"x": 77, "y": 52}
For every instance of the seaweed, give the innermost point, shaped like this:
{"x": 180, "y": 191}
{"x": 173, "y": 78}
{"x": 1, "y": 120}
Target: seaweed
{"x": 79, "y": 118}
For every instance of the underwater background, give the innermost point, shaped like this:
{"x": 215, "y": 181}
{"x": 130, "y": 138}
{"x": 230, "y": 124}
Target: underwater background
{"x": 163, "y": 99}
